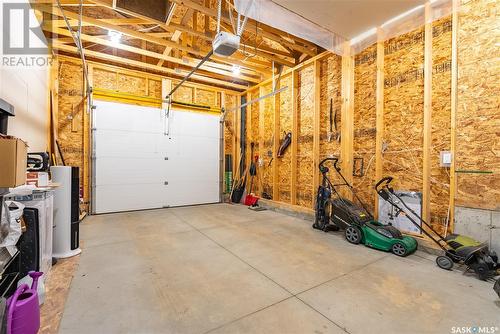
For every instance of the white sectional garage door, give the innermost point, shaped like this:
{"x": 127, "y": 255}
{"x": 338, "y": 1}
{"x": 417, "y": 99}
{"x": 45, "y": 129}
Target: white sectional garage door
{"x": 137, "y": 166}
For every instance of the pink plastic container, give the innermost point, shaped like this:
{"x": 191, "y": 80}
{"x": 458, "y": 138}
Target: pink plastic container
{"x": 23, "y": 315}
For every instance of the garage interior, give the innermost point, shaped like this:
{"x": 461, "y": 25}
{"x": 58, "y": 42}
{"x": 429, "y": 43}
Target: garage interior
{"x": 250, "y": 166}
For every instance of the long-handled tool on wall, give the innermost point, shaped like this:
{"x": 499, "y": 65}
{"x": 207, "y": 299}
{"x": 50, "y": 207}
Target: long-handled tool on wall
{"x": 238, "y": 185}
{"x": 253, "y": 168}
{"x": 333, "y": 132}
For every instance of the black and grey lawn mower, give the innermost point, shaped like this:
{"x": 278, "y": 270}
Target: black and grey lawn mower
{"x": 457, "y": 248}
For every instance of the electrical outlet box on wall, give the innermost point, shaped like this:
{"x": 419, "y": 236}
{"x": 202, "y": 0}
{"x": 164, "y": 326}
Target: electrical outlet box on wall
{"x": 445, "y": 158}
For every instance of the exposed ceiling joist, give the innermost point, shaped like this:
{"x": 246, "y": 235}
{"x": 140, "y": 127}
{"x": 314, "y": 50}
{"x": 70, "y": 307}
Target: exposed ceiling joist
{"x": 104, "y": 40}
{"x": 271, "y": 57}
{"x": 251, "y": 25}
{"x": 175, "y": 37}
{"x": 137, "y": 34}
{"x": 179, "y": 41}
{"x": 212, "y": 12}
{"x": 168, "y": 49}
{"x": 129, "y": 62}
{"x": 97, "y": 40}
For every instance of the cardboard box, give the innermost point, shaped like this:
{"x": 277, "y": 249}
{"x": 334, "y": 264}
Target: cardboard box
{"x": 13, "y": 160}
{"x": 38, "y": 179}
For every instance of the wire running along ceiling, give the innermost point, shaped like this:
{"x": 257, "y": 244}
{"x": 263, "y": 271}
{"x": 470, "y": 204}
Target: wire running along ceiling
{"x": 279, "y": 17}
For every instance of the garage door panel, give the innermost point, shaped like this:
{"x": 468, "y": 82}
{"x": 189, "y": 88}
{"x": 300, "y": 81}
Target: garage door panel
{"x": 194, "y": 124}
{"x": 134, "y": 158}
{"x": 126, "y": 197}
{"x": 127, "y": 143}
{"x": 125, "y": 170}
{"x": 128, "y": 117}
{"x": 205, "y": 191}
{"x": 195, "y": 153}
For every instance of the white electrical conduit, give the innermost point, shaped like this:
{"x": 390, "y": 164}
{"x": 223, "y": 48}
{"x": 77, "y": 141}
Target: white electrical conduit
{"x": 242, "y": 26}
{"x": 219, "y": 12}
{"x": 223, "y": 116}
{"x": 279, "y": 17}
{"x": 78, "y": 42}
{"x": 231, "y": 18}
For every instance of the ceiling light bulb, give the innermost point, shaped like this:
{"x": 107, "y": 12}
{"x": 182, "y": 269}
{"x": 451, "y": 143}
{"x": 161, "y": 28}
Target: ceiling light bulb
{"x": 236, "y": 69}
{"x": 114, "y": 36}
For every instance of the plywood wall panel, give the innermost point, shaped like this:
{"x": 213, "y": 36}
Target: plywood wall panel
{"x": 441, "y": 121}
{"x": 229, "y": 130}
{"x": 184, "y": 94}
{"x": 131, "y": 84}
{"x": 403, "y": 110}
{"x": 478, "y": 117}
{"x": 70, "y": 114}
{"x": 285, "y": 170}
{"x": 365, "y": 86}
{"x": 105, "y": 79}
{"x": 154, "y": 88}
{"x": 305, "y": 196}
{"x": 206, "y": 97}
{"x": 253, "y": 117}
{"x": 330, "y": 86}
{"x": 268, "y": 114}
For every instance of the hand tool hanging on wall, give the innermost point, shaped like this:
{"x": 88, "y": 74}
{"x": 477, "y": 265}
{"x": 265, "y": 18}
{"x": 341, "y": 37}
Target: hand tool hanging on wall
{"x": 358, "y": 167}
{"x": 238, "y": 185}
{"x": 333, "y": 132}
{"x": 60, "y": 152}
{"x": 253, "y": 168}
{"x": 228, "y": 174}
{"x": 250, "y": 199}
{"x": 285, "y": 142}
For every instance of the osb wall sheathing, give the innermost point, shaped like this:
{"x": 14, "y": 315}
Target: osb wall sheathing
{"x": 125, "y": 83}
{"x": 403, "y": 110}
{"x": 305, "y": 105}
{"x": 364, "y": 138}
{"x": 154, "y": 88}
{"x": 229, "y": 131}
{"x": 478, "y": 117}
{"x": 268, "y": 140}
{"x": 206, "y": 97}
{"x": 284, "y": 164}
{"x": 183, "y": 94}
{"x": 330, "y": 97}
{"x": 132, "y": 84}
{"x": 70, "y": 114}
{"x": 229, "y": 126}
{"x": 104, "y": 79}
{"x": 440, "y": 121}
{"x": 252, "y": 136}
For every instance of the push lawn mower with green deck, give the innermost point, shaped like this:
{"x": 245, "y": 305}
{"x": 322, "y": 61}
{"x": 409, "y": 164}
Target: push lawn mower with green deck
{"x": 457, "y": 248}
{"x": 335, "y": 212}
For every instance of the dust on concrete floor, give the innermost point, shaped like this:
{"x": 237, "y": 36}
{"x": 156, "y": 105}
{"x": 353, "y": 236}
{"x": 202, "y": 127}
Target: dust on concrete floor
{"x": 225, "y": 269}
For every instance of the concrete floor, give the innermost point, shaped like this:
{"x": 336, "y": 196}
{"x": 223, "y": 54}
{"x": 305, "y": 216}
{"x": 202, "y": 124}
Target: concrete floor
{"x": 225, "y": 269}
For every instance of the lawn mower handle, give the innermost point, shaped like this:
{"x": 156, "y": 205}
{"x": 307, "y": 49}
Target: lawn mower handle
{"x": 335, "y": 160}
{"x": 385, "y": 180}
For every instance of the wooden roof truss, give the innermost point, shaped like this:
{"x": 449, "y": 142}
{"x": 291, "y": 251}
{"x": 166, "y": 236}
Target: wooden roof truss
{"x": 173, "y": 47}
